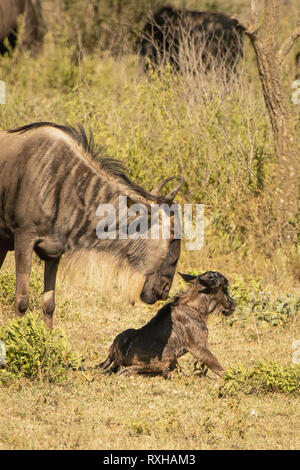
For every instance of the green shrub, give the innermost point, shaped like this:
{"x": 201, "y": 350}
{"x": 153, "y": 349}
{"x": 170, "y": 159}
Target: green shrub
{"x": 266, "y": 377}
{"x": 251, "y": 300}
{"x": 35, "y": 352}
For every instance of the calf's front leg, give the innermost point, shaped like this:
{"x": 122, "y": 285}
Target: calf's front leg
{"x": 203, "y": 354}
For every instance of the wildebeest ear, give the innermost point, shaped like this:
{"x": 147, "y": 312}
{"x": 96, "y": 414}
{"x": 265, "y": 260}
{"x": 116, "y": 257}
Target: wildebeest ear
{"x": 187, "y": 277}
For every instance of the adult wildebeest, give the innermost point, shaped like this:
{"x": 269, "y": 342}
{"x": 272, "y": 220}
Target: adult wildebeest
{"x": 33, "y": 24}
{"x": 178, "y": 327}
{"x": 191, "y": 40}
{"x": 50, "y": 190}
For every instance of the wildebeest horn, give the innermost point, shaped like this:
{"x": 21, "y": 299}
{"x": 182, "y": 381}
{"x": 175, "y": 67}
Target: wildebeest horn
{"x": 172, "y": 194}
{"x": 159, "y": 187}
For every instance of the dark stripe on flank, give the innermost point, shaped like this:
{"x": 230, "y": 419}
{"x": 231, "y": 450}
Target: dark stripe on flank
{"x": 107, "y": 164}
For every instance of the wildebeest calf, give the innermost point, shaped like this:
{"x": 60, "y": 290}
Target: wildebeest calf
{"x": 177, "y": 328}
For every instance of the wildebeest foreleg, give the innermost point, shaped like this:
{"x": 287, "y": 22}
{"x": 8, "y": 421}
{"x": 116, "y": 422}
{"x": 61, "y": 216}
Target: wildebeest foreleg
{"x": 48, "y": 303}
{"x": 24, "y": 244}
{"x": 204, "y": 355}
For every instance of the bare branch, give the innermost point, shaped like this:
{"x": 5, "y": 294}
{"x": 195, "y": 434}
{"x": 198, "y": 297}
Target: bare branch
{"x": 253, "y": 26}
{"x": 288, "y": 43}
{"x": 254, "y": 14}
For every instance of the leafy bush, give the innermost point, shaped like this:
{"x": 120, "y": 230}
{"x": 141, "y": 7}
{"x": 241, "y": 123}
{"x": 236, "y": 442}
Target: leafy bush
{"x": 266, "y": 377}
{"x": 35, "y": 352}
{"x": 251, "y": 300}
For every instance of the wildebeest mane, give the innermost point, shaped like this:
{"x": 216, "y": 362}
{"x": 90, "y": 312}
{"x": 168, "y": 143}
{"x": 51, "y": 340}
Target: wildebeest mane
{"x": 87, "y": 144}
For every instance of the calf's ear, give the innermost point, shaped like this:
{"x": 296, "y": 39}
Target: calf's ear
{"x": 187, "y": 277}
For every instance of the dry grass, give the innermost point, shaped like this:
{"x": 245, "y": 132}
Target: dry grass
{"x": 92, "y": 410}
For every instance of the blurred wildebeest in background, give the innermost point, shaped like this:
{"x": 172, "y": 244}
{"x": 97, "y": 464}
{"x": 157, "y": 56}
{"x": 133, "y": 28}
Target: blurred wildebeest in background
{"x": 297, "y": 61}
{"x": 178, "y": 327}
{"x": 33, "y": 24}
{"x": 50, "y": 190}
{"x": 191, "y": 40}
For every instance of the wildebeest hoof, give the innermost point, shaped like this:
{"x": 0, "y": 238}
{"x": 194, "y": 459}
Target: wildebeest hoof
{"x": 203, "y": 369}
{"x": 166, "y": 374}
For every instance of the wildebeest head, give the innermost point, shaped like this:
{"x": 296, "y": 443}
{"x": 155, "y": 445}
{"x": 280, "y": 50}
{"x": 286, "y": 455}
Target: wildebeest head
{"x": 159, "y": 281}
{"x": 158, "y": 284}
{"x": 209, "y": 293}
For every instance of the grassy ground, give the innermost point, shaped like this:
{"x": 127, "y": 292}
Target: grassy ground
{"x": 94, "y": 411}
{"x": 220, "y": 140}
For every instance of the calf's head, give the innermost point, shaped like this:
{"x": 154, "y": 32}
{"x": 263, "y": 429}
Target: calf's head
{"x": 208, "y": 293}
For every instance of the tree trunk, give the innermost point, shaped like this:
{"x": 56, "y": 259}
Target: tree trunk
{"x": 264, "y": 41}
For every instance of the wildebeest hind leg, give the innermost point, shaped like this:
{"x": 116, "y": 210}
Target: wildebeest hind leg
{"x": 132, "y": 370}
{"x": 135, "y": 370}
{"x": 105, "y": 364}
{"x": 3, "y": 48}
{"x": 48, "y": 304}
{"x": 114, "y": 368}
{"x": 24, "y": 244}
{"x": 3, "y": 251}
